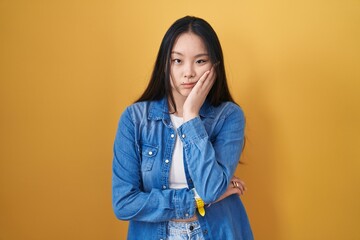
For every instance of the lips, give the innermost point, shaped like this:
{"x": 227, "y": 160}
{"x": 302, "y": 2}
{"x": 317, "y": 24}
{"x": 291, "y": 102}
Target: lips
{"x": 188, "y": 85}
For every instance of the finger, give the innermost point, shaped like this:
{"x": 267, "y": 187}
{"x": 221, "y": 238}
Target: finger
{"x": 238, "y": 187}
{"x": 241, "y": 183}
{"x": 199, "y": 86}
{"x": 243, "y": 186}
{"x": 204, "y": 76}
{"x": 234, "y": 178}
{"x": 212, "y": 75}
{"x": 209, "y": 75}
{"x": 205, "y": 83}
{"x": 237, "y": 183}
{"x": 238, "y": 191}
{"x": 235, "y": 190}
{"x": 242, "y": 190}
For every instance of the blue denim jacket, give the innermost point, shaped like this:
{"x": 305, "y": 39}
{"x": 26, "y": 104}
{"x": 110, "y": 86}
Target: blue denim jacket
{"x": 143, "y": 149}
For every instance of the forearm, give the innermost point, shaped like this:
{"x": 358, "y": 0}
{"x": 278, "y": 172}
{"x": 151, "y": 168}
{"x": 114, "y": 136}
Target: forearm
{"x": 211, "y": 164}
{"x": 155, "y": 206}
{"x": 130, "y": 200}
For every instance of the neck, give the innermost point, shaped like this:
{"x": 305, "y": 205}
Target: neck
{"x": 178, "y": 112}
{"x": 179, "y": 106}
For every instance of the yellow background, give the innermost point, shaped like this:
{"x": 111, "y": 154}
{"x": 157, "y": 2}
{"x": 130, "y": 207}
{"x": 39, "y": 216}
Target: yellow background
{"x": 69, "y": 68}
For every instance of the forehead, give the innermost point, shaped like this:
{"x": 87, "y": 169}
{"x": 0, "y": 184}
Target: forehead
{"x": 188, "y": 43}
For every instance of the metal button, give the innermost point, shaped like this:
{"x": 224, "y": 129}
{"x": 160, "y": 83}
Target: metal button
{"x": 191, "y": 227}
{"x": 164, "y": 187}
{"x": 186, "y": 214}
{"x": 172, "y": 135}
{"x": 150, "y": 153}
{"x": 183, "y": 136}
{"x": 167, "y": 161}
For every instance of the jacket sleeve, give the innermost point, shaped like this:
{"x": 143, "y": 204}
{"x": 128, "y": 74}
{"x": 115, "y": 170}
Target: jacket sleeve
{"x": 212, "y": 162}
{"x": 130, "y": 202}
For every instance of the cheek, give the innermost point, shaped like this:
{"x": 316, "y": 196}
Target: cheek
{"x": 171, "y": 82}
{"x": 174, "y": 73}
{"x": 174, "y": 78}
{"x": 200, "y": 72}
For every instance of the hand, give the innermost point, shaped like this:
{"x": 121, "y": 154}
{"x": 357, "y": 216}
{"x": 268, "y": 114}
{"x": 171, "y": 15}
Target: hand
{"x": 236, "y": 186}
{"x": 198, "y": 94}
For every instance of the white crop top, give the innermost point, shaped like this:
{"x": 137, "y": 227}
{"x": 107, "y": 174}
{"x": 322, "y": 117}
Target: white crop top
{"x": 177, "y": 178}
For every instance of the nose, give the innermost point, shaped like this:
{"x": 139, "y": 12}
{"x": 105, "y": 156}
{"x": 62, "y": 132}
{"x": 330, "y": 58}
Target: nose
{"x": 189, "y": 71}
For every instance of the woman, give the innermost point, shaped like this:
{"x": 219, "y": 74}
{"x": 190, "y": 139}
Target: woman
{"x": 177, "y": 147}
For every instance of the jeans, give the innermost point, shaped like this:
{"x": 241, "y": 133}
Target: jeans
{"x": 184, "y": 230}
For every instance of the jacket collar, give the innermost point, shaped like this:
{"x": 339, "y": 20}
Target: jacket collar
{"x": 159, "y": 110}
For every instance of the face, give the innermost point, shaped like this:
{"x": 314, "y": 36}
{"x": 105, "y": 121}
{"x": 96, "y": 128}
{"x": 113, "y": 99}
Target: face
{"x": 189, "y": 61}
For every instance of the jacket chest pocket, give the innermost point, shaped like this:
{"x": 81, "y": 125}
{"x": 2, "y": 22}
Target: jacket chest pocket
{"x": 148, "y": 154}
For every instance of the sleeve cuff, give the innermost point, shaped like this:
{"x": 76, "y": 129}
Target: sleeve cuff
{"x": 184, "y": 204}
{"x": 192, "y": 130}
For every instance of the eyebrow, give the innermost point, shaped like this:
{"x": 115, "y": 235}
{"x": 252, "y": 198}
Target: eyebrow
{"x": 198, "y": 55}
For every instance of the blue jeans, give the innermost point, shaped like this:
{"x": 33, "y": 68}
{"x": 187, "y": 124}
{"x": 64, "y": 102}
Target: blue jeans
{"x": 184, "y": 230}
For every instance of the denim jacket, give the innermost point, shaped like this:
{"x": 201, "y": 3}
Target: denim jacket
{"x": 212, "y": 144}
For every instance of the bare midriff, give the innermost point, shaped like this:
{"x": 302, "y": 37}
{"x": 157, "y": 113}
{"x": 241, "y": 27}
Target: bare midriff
{"x": 194, "y": 218}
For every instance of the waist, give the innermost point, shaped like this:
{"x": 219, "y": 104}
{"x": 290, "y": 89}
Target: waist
{"x": 194, "y": 218}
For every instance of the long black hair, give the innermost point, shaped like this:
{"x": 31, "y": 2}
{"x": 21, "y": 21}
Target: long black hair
{"x": 159, "y": 85}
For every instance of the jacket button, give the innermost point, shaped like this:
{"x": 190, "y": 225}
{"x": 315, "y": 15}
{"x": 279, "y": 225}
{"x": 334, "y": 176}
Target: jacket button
{"x": 183, "y": 136}
{"x": 150, "y": 153}
{"x": 167, "y": 161}
{"x": 164, "y": 187}
{"x": 172, "y": 135}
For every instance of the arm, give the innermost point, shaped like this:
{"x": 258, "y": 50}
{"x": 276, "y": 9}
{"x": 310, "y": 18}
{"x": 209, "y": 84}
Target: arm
{"x": 129, "y": 201}
{"x": 237, "y": 186}
{"x": 212, "y": 164}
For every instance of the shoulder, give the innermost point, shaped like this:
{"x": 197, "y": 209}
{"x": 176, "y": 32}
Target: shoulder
{"x": 145, "y": 110}
{"x": 227, "y": 109}
{"x": 136, "y": 110}
{"x": 138, "y": 106}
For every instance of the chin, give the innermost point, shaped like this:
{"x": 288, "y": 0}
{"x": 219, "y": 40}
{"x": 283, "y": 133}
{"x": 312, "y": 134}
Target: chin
{"x": 185, "y": 94}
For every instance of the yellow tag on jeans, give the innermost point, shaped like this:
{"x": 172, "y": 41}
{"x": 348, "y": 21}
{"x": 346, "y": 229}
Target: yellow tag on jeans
{"x": 200, "y": 206}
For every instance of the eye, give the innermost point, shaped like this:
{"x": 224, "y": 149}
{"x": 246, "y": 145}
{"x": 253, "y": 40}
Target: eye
{"x": 176, "y": 61}
{"x": 201, "y": 61}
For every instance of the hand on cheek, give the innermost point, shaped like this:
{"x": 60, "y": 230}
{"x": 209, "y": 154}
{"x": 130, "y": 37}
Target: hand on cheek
{"x": 198, "y": 94}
